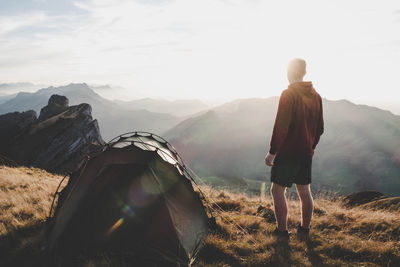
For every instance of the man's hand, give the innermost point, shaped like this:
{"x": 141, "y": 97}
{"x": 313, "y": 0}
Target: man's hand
{"x": 269, "y": 159}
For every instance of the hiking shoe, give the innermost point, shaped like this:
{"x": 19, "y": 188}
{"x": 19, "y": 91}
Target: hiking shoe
{"x": 281, "y": 234}
{"x": 303, "y": 231}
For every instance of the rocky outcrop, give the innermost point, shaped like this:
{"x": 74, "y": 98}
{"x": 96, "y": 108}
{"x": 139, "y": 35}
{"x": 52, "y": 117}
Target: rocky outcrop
{"x": 56, "y": 105}
{"x": 13, "y": 123}
{"x": 58, "y": 141}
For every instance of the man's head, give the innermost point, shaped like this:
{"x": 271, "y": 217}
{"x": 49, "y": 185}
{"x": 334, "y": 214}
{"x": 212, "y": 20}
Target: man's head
{"x": 296, "y": 70}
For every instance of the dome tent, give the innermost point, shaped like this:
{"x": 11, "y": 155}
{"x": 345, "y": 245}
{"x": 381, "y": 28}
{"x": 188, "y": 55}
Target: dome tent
{"x": 135, "y": 194}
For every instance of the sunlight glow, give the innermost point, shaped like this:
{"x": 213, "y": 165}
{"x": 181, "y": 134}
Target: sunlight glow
{"x": 208, "y": 49}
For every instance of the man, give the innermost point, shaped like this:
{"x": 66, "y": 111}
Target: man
{"x": 298, "y": 126}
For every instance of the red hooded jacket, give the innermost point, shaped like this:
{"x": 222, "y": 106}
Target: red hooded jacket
{"x": 299, "y": 121}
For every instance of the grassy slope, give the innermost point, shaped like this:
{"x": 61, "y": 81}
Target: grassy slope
{"x": 25, "y": 199}
{"x": 25, "y": 196}
{"x": 340, "y": 236}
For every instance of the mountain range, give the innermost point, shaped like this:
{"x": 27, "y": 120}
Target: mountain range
{"x": 360, "y": 149}
{"x": 226, "y": 145}
{"x": 114, "y": 119}
{"x": 178, "y": 108}
{"x": 11, "y": 88}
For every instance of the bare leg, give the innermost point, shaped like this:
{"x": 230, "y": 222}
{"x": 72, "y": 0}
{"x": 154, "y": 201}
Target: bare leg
{"x": 280, "y": 205}
{"x": 306, "y": 204}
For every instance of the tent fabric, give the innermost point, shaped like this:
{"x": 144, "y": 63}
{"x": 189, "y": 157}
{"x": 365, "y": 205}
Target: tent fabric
{"x": 134, "y": 194}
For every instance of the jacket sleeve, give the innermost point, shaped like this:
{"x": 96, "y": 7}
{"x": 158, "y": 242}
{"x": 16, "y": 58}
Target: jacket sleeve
{"x": 320, "y": 125}
{"x": 282, "y": 122}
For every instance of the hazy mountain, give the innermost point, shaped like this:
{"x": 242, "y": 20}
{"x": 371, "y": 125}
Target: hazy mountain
{"x": 176, "y": 107}
{"x": 359, "y": 150}
{"x": 393, "y": 105}
{"x": 113, "y": 120}
{"x": 76, "y": 93}
{"x": 12, "y": 88}
{"x": 4, "y": 97}
{"x": 112, "y": 92}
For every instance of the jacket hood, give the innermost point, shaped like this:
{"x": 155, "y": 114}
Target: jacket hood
{"x": 304, "y": 88}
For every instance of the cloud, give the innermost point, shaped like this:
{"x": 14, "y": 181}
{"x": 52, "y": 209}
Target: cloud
{"x": 49, "y": 7}
{"x": 13, "y": 23}
{"x": 193, "y": 48}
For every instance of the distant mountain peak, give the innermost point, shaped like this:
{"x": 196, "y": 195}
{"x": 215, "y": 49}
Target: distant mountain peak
{"x": 15, "y": 84}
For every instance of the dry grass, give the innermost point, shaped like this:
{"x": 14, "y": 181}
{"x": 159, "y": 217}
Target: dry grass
{"x": 25, "y": 199}
{"x": 340, "y": 236}
{"x": 25, "y": 196}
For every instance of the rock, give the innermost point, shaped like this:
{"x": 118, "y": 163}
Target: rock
{"x": 56, "y": 105}
{"x": 13, "y": 123}
{"x": 360, "y": 198}
{"x": 58, "y": 142}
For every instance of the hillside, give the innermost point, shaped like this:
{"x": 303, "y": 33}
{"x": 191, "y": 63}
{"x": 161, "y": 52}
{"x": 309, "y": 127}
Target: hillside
{"x": 178, "y": 108}
{"x": 5, "y": 98}
{"x": 113, "y": 119}
{"x": 12, "y": 88}
{"x": 360, "y": 149}
{"x": 340, "y": 236}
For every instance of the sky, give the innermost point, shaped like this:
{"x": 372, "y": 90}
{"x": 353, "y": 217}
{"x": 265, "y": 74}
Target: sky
{"x": 206, "y": 49}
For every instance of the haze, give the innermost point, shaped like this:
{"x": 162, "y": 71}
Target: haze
{"x": 205, "y": 49}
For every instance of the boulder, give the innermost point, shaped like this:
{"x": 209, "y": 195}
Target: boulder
{"x": 56, "y": 105}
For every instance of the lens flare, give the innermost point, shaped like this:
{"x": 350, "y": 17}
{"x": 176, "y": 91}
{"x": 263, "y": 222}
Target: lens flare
{"x": 115, "y": 226}
{"x": 128, "y": 210}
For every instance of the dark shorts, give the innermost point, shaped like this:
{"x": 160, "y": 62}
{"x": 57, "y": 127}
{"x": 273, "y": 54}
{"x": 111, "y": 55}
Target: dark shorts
{"x": 289, "y": 170}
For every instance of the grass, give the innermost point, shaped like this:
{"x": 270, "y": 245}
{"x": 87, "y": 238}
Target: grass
{"x": 25, "y": 199}
{"x": 360, "y": 236}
